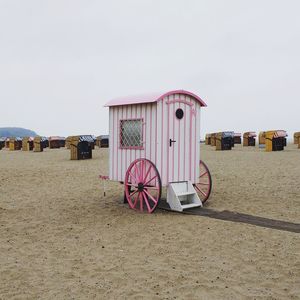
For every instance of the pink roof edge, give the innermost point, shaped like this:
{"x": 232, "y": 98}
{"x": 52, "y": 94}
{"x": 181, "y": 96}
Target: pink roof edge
{"x": 150, "y": 98}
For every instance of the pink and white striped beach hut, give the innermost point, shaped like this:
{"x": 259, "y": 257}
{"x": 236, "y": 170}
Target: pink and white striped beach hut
{"x": 154, "y": 141}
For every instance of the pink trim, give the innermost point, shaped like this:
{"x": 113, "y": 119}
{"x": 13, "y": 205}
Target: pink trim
{"x": 118, "y": 134}
{"x": 173, "y": 158}
{"x": 130, "y": 151}
{"x": 126, "y": 116}
{"x": 121, "y": 152}
{"x": 113, "y": 146}
{"x": 144, "y": 127}
{"x": 162, "y": 139}
{"x": 135, "y": 117}
{"x": 168, "y": 147}
{"x": 156, "y": 134}
{"x": 151, "y": 132}
{"x": 179, "y": 144}
{"x": 184, "y": 149}
{"x": 179, "y": 101}
{"x": 155, "y": 97}
{"x": 196, "y": 145}
{"x": 190, "y": 148}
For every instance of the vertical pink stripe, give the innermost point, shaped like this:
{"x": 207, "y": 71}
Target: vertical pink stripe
{"x": 140, "y": 114}
{"x": 145, "y": 126}
{"x": 151, "y": 107}
{"x": 167, "y": 141}
{"x": 126, "y": 150}
{"x": 135, "y": 117}
{"x": 173, "y": 146}
{"x": 196, "y": 142}
{"x": 179, "y": 145}
{"x": 190, "y": 143}
{"x": 130, "y": 151}
{"x": 118, "y": 142}
{"x": 162, "y": 139}
{"x": 156, "y": 109}
{"x": 112, "y": 142}
{"x": 121, "y": 150}
{"x": 185, "y": 133}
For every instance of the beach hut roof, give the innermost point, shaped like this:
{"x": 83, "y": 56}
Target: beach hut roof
{"x": 228, "y": 133}
{"x": 251, "y": 134}
{"x": 280, "y": 133}
{"x": 106, "y": 136}
{"x": 277, "y": 133}
{"x": 56, "y": 138}
{"x": 150, "y": 98}
{"x": 17, "y": 139}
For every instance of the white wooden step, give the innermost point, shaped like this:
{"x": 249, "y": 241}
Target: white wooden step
{"x": 187, "y": 206}
{"x": 186, "y": 194}
{"x": 182, "y": 195}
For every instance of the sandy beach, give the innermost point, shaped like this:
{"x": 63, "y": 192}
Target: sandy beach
{"x": 60, "y": 238}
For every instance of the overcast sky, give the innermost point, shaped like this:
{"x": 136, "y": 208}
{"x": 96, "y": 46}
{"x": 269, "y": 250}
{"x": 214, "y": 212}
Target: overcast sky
{"x": 61, "y": 61}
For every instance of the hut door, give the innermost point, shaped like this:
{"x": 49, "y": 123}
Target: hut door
{"x": 181, "y": 124}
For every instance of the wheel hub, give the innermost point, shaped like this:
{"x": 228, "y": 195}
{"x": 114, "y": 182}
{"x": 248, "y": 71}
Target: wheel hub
{"x": 140, "y": 187}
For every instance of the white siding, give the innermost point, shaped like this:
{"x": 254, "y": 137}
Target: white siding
{"x": 120, "y": 159}
{"x": 181, "y": 161}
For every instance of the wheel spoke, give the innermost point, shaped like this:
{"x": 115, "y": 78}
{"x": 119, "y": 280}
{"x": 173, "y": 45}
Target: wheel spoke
{"x": 203, "y": 183}
{"x": 133, "y": 177}
{"x": 141, "y": 170}
{"x": 130, "y": 184}
{"x": 203, "y": 174}
{"x": 204, "y": 194}
{"x": 146, "y": 201}
{"x": 136, "y": 173}
{"x": 133, "y": 193}
{"x": 150, "y": 180}
{"x": 150, "y": 196}
{"x": 146, "y": 176}
{"x": 141, "y": 201}
{"x": 151, "y": 188}
{"x": 136, "y": 200}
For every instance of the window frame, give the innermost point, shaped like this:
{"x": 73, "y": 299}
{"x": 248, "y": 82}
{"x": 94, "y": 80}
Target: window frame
{"x": 142, "y": 135}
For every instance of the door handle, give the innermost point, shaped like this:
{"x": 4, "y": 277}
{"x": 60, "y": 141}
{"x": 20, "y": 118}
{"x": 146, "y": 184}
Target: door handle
{"x": 172, "y": 141}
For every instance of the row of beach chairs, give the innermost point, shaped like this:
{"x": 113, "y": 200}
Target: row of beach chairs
{"x": 80, "y": 146}
{"x": 274, "y": 140}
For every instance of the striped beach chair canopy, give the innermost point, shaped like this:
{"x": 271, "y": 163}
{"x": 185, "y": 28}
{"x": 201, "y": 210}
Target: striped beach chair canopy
{"x": 280, "y": 133}
{"x": 86, "y": 138}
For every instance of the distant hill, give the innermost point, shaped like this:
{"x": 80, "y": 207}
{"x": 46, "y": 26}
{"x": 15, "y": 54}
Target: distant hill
{"x": 16, "y": 131}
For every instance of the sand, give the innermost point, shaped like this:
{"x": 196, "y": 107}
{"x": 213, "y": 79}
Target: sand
{"x": 61, "y": 239}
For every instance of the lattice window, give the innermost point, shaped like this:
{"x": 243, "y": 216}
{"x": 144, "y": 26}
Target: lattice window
{"x": 131, "y": 132}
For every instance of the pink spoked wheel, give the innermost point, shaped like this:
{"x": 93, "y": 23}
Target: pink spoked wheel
{"x": 204, "y": 185}
{"x": 142, "y": 186}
